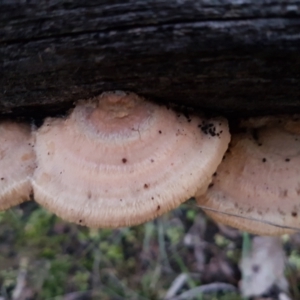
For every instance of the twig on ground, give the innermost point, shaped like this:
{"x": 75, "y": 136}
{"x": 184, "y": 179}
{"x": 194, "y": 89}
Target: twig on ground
{"x": 21, "y": 279}
{"x": 177, "y": 284}
{"x": 206, "y": 289}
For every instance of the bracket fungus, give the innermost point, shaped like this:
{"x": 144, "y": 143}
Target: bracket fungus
{"x": 257, "y": 186}
{"x": 118, "y": 160}
{"x": 17, "y": 163}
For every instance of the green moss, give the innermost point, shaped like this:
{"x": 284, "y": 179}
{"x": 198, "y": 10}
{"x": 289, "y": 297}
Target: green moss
{"x": 136, "y": 263}
{"x": 55, "y": 282}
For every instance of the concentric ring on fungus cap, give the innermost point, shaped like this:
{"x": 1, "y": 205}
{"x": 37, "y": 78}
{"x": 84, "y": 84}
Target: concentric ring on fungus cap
{"x": 119, "y": 160}
{"x": 17, "y": 163}
{"x": 257, "y": 186}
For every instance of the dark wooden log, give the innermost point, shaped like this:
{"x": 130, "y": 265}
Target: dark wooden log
{"x": 239, "y": 57}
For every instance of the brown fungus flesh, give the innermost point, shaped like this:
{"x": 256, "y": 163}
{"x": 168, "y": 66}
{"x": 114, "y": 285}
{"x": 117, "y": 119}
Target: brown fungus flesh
{"x": 118, "y": 160}
{"x": 257, "y": 187}
{"x": 17, "y": 163}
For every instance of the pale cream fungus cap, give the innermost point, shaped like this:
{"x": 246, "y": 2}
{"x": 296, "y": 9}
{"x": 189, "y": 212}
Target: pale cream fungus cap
{"x": 257, "y": 186}
{"x": 17, "y": 163}
{"x": 119, "y": 160}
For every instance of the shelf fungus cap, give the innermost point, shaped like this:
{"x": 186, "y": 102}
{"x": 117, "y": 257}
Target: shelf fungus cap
{"x": 118, "y": 160}
{"x": 17, "y": 163}
{"x": 257, "y": 186}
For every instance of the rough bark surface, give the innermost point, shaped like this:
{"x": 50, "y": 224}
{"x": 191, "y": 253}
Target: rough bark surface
{"x": 238, "y": 57}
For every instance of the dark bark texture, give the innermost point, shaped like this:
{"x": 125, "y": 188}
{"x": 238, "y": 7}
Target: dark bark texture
{"x": 238, "y": 57}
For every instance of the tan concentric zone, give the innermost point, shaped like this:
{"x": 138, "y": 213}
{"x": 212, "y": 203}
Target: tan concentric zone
{"x": 257, "y": 186}
{"x": 120, "y": 161}
{"x": 17, "y": 163}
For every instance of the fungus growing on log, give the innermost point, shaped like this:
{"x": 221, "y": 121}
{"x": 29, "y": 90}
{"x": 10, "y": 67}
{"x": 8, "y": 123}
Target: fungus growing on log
{"x": 118, "y": 160}
{"x": 257, "y": 186}
{"x": 17, "y": 163}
